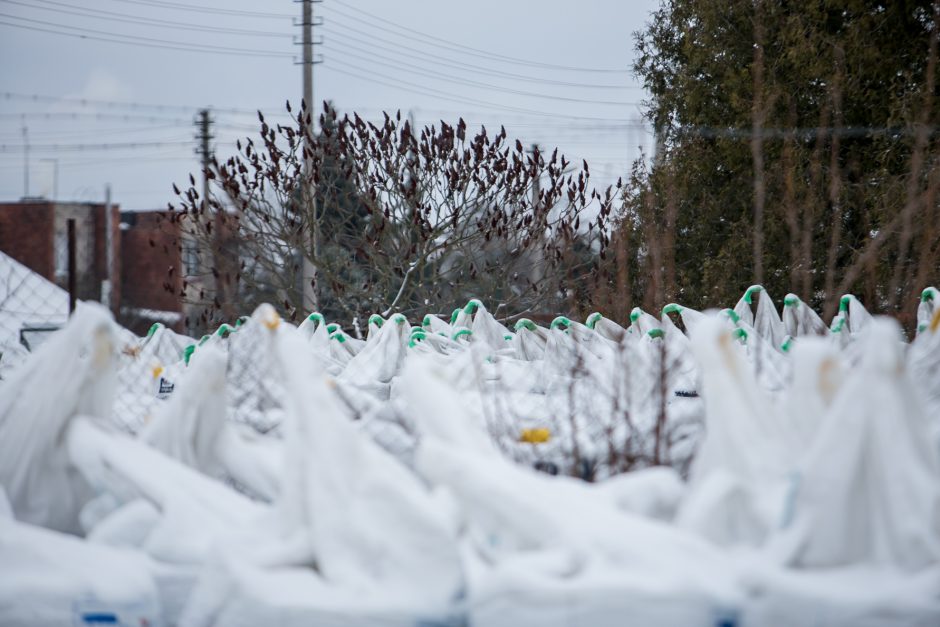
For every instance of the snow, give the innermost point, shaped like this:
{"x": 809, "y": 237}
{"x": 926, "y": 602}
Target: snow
{"x": 738, "y": 467}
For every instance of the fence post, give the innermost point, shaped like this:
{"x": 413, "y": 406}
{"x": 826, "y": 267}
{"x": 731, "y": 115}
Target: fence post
{"x": 73, "y": 271}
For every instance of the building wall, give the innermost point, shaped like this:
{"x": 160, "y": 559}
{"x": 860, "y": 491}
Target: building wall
{"x": 149, "y": 248}
{"x": 26, "y": 234}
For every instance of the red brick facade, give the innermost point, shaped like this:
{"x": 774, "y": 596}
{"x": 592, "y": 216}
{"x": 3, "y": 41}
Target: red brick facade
{"x": 143, "y": 249}
{"x": 26, "y": 234}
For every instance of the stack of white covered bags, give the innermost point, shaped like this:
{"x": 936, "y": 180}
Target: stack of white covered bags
{"x": 779, "y": 472}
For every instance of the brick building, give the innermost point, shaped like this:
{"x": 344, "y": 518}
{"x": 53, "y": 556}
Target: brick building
{"x": 34, "y": 232}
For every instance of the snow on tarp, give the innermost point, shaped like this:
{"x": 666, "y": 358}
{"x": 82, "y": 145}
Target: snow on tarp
{"x": 744, "y": 455}
{"x": 52, "y": 578}
{"x": 72, "y": 373}
{"x": 350, "y": 516}
{"x": 869, "y": 490}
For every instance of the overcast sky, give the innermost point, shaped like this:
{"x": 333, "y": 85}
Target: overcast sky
{"x": 556, "y": 73}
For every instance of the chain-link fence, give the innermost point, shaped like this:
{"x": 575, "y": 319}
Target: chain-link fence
{"x": 31, "y": 307}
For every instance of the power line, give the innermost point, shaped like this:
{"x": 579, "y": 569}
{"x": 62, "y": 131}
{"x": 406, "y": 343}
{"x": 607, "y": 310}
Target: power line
{"x": 205, "y": 9}
{"x": 445, "y": 43}
{"x": 508, "y": 90}
{"x": 95, "y": 116}
{"x": 82, "y": 147}
{"x": 453, "y": 63}
{"x": 84, "y": 102}
{"x": 135, "y": 40}
{"x": 71, "y": 9}
{"x": 427, "y": 91}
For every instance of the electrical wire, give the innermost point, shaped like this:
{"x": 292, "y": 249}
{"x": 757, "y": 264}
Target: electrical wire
{"x": 84, "y": 102}
{"x": 71, "y": 9}
{"x": 84, "y": 147}
{"x": 205, "y": 9}
{"x": 448, "y": 44}
{"x": 396, "y": 48}
{"x": 488, "y": 86}
{"x": 427, "y": 91}
{"x": 134, "y": 40}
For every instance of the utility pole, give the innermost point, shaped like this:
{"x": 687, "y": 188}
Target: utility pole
{"x": 204, "y": 123}
{"x": 25, "y": 161}
{"x": 107, "y": 286}
{"x": 204, "y": 151}
{"x": 310, "y": 302}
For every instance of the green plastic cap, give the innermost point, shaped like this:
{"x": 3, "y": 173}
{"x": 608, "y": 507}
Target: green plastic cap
{"x": 749, "y": 294}
{"x": 560, "y": 321}
{"x": 525, "y": 323}
{"x": 377, "y": 320}
{"x": 593, "y": 319}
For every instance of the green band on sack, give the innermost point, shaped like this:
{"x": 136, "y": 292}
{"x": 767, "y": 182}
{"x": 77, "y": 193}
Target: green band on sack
{"x": 749, "y": 294}
{"x": 731, "y": 313}
{"x": 927, "y": 294}
{"x": 332, "y": 328}
{"x": 339, "y": 336}
{"x": 791, "y": 300}
{"x": 188, "y": 352}
{"x": 460, "y": 333}
{"x": 525, "y": 323}
{"x": 787, "y": 343}
{"x": 153, "y": 329}
{"x": 377, "y": 320}
{"x": 472, "y": 305}
{"x": 672, "y": 308}
{"x": 204, "y": 339}
{"x": 426, "y": 322}
{"x": 837, "y": 324}
{"x": 740, "y": 334}
{"x": 656, "y": 334}
{"x": 418, "y": 332}
{"x": 593, "y": 319}
{"x": 453, "y": 316}
{"x": 635, "y": 314}
{"x": 399, "y": 319}
{"x": 224, "y": 329}
{"x": 316, "y": 317}
{"x": 560, "y": 321}
{"x": 844, "y": 302}
{"x": 242, "y": 320}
